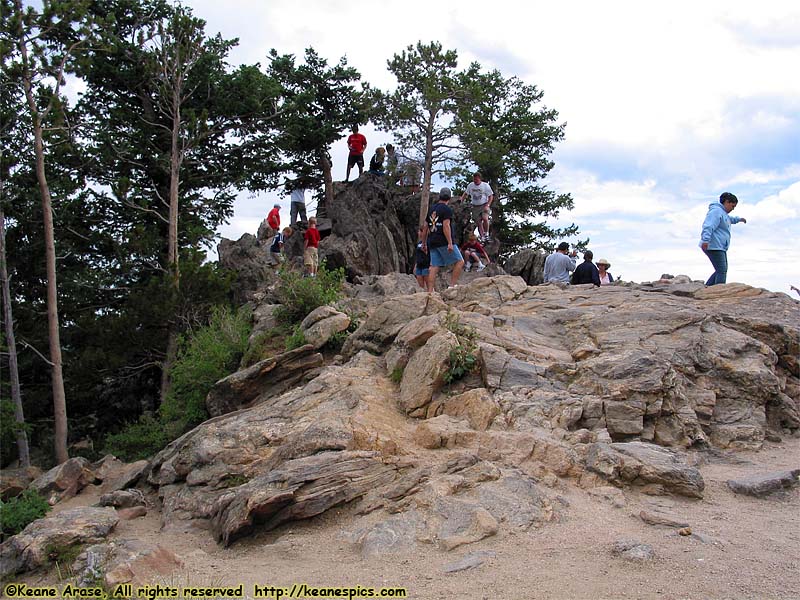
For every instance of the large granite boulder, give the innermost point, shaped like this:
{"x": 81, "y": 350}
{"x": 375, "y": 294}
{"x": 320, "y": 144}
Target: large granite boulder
{"x": 65, "y": 480}
{"x": 528, "y": 264}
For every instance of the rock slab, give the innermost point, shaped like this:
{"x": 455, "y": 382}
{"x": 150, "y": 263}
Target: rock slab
{"x": 766, "y": 483}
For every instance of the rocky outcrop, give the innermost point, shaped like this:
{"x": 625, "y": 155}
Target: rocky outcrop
{"x": 30, "y": 548}
{"x": 14, "y": 481}
{"x": 251, "y": 262}
{"x": 528, "y": 264}
{"x": 613, "y": 386}
{"x": 64, "y": 481}
{"x": 123, "y": 561}
{"x": 322, "y": 324}
{"x": 267, "y": 378}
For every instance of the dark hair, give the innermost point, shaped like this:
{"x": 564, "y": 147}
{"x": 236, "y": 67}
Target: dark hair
{"x": 477, "y": 174}
{"x": 389, "y": 147}
{"x": 728, "y": 197}
{"x": 563, "y": 246}
{"x": 355, "y": 129}
{"x": 588, "y": 255}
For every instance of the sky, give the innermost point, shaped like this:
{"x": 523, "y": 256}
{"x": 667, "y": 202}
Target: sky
{"x": 666, "y": 106}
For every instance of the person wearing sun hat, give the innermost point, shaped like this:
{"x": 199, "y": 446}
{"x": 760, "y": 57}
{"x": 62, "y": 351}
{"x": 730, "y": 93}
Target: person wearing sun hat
{"x": 605, "y": 277}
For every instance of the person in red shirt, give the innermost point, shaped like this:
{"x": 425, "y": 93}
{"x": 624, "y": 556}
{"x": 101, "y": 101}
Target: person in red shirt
{"x": 357, "y": 143}
{"x": 310, "y": 247}
{"x": 472, "y": 251}
{"x": 274, "y": 218}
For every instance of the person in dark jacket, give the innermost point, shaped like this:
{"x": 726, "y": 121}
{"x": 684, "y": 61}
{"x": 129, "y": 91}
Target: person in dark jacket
{"x": 586, "y": 272}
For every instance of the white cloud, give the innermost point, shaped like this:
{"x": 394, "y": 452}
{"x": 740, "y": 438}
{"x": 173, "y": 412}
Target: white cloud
{"x": 781, "y": 206}
{"x": 756, "y": 176}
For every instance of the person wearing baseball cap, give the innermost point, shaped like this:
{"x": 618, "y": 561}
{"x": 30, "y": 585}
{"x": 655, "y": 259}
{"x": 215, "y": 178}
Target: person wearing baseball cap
{"x": 437, "y": 239}
{"x": 274, "y": 218}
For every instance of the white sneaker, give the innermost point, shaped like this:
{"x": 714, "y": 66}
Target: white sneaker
{"x": 481, "y": 266}
{"x": 468, "y": 267}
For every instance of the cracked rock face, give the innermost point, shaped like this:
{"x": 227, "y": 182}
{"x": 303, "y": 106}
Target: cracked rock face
{"x": 603, "y": 386}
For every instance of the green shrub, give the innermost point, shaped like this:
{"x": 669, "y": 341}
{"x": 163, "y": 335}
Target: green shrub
{"x": 297, "y": 338}
{"x": 265, "y": 344}
{"x": 336, "y": 341}
{"x": 462, "y": 358}
{"x": 139, "y": 440}
{"x": 206, "y": 355}
{"x": 16, "y": 513}
{"x": 300, "y": 295}
{"x": 397, "y": 374}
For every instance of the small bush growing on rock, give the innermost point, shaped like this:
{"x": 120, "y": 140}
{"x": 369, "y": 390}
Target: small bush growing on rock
{"x": 397, "y": 374}
{"x": 463, "y": 359}
{"x": 297, "y": 339}
{"x": 17, "y": 513}
{"x": 300, "y": 295}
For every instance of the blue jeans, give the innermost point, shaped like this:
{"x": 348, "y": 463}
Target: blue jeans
{"x": 719, "y": 260}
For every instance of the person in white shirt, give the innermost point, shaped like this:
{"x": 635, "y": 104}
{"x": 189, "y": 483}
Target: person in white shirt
{"x": 298, "y": 206}
{"x": 481, "y": 196}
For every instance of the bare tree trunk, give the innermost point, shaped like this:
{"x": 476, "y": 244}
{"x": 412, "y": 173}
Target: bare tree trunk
{"x": 424, "y": 197}
{"x": 59, "y": 398}
{"x": 325, "y": 165}
{"x": 176, "y": 158}
{"x": 16, "y": 396}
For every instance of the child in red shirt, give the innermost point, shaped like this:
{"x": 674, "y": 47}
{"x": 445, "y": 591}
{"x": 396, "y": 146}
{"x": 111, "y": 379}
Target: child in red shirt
{"x": 472, "y": 251}
{"x": 310, "y": 247}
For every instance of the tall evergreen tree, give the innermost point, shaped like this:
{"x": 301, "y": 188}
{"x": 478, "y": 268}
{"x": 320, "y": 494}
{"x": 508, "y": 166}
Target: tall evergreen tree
{"x": 507, "y": 134}
{"x": 420, "y": 110}
{"x": 47, "y": 42}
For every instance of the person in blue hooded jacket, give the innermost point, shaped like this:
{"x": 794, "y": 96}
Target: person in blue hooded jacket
{"x": 716, "y": 235}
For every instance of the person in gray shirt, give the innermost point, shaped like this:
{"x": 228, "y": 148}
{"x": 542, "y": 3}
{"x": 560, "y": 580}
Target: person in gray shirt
{"x": 559, "y": 264}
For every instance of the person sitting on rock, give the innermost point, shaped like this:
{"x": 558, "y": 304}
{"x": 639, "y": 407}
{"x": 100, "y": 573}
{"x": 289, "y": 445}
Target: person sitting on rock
{"x": 602, "y": 267}
{"x": 422, "y": 262}
{"x": 586, "y": 271}
{"x": 376, "y": 163}
{"x": 559, "y": 265}
{"x": 472, "y": 250}
{"x": 437, "y": 234}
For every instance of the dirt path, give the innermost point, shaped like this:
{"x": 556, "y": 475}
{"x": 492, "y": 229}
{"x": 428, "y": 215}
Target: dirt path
{"x": 751, "y": 548}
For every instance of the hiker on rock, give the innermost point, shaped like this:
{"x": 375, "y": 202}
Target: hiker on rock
{"x": 559, "y": 264}
{"x": 481, "y": 196}
{"x": 586, "y": 271}
{"x": 437, "y": 239}
{"x": 356, "y": 143}
{"x": 715, "y": 237}
{"x": 310, "y": 248}
{"x": 297, "y": 206}
{"x": 376, "y": 163}
{"x": 422, "y": 261}
{"x": 274, "y": 218}
{"x": 276, "y": 248}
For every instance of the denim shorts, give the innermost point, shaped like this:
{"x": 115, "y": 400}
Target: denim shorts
{"x": 421, "y": 272}
{"x": 441, "y": 257}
